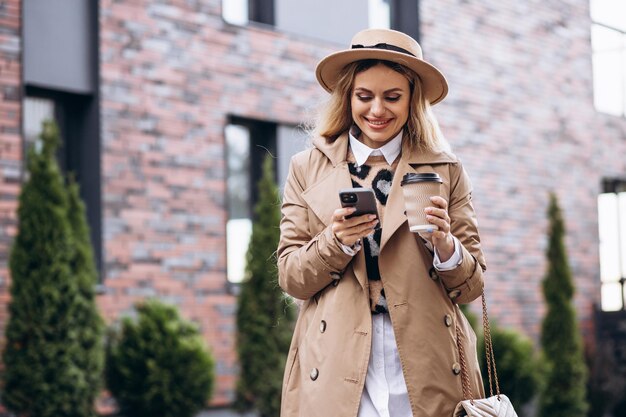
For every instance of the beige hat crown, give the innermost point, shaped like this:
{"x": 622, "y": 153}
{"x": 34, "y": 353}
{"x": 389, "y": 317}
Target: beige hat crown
{"x": 388, "y": 45}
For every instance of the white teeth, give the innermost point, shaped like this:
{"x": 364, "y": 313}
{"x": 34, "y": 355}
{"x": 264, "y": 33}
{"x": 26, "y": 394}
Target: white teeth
{"x": 378, "y": 123}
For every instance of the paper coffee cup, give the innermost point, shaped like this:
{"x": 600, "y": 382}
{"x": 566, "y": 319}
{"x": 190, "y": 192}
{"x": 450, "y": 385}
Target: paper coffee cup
{"x": 417, "y": 189}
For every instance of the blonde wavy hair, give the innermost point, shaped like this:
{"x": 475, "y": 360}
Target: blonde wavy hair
{"x": 421, "y": 132}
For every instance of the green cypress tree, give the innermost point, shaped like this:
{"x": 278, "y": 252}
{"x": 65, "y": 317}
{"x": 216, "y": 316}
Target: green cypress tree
{"x": 265, "y": 316}
{"x": 564, "y": 391}
{"x": 43, "y": 373}
{"x": 88, "y": 322}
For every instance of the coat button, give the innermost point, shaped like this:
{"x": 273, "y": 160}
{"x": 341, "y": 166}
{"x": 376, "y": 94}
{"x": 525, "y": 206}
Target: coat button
{"x": 456, "y": 369}
{"x": 454, "y": 293}
{"x": 335, "y": 275}
{"x": 433, "y": 274}
{"x": 335, "y": 282}
{"x": 314, "y": 374}
{"x": 322, "y": 326}
{"x": 447, "y": 320}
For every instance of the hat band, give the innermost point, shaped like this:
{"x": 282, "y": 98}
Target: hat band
{"x": 384, "y": 46}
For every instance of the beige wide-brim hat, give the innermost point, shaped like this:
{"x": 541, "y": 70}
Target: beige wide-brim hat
{"x": 388, "y": 45}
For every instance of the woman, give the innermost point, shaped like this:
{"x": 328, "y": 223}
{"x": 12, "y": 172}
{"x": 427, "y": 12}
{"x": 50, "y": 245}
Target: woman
{"x": 377, "y": 332}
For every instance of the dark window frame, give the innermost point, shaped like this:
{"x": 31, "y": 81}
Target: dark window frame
{"x": 262, "y": 11}
{"x": 405, "y": 17}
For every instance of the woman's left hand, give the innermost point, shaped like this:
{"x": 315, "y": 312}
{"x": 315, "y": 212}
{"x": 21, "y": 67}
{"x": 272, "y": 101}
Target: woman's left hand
{"x": 441, "y": 239}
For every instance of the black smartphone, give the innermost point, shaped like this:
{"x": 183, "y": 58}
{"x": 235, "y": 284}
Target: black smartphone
{"x": 363, "y": 199}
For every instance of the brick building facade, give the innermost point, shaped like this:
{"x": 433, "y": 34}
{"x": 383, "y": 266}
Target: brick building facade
{"x": 173, "y": 74}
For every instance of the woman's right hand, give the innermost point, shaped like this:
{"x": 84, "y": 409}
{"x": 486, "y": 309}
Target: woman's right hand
{"x": 349, "y": 231}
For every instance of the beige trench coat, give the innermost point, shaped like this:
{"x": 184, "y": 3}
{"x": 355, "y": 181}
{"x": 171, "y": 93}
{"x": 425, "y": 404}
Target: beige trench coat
{"x": 329, "y": 353}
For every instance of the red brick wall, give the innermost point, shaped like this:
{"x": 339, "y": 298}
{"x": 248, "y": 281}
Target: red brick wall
{"x": 170, "y": 76}
{"x": 10, "y": 138}
{"x": 521, "y": 116}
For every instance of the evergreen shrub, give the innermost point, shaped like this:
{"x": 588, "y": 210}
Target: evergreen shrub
{"x": 158, "y": 365}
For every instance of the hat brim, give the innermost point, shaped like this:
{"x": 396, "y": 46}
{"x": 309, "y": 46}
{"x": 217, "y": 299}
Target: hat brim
{"x": 434, "y": 84}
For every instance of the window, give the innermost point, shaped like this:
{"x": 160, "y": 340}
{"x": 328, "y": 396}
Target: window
{"x": 239, "y": 224}
{"x": 612, "y": 228}
{"x": 247, "y": 142}
{"x": 235, "y": 11}
{"x": 379, "y": 14}
{"x": 608, "y": 40}
{"x": 312, "y": 18}
{"x": 240, "y": 12}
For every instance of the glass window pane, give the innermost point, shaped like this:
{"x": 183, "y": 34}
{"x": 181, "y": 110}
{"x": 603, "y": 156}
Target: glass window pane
{"x": 623, "y": 70}
{"x": 290, "y": 141}
{"x": 609, "y": 70}
{"x": 238, "y": 233}
{"x": 36, "y": 110}
{"x": 238, "y": 171}
{"x": 609, "y": 238}
{"x": 379, "y": 14}
{"x": 611, "y": 297}
{"x": 622, "y": 232}
{"x": 239, "y": 224}
{"x": 235, "y": 11}
{"x": 609, "y": 12}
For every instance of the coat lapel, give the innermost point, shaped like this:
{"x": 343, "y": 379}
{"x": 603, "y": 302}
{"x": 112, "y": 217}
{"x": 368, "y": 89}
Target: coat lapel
{"x": 394, "y": 212}
{"x": 323, "y": 196}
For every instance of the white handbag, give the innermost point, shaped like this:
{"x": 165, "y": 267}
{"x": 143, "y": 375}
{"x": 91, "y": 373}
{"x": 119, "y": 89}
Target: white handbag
{"x": 497, "y": 405}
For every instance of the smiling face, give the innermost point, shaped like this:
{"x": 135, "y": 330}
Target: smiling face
{"x": 380, "y": 104}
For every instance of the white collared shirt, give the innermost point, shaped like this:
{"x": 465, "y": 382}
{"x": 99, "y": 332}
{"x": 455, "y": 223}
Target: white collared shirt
{"x": 389, "y": 150}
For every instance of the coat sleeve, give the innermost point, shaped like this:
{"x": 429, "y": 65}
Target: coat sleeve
{"x": 465, "y": 282}
{"x": 306, "y": 263}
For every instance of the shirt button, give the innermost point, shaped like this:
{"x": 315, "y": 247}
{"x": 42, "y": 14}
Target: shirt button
{"x": 447, "y": 320}
{"x": 456, "y": 368}
{"x": 314, "y": 374}
{"x": 322, "y": 326}
{"x": 433, "y": 274}
{"x": 335, "y": 275}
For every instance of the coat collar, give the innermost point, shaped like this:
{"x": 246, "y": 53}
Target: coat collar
{"x": 337, "y": 152}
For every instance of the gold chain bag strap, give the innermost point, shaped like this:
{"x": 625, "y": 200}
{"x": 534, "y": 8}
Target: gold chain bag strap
{"x": 495, "y": 405}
